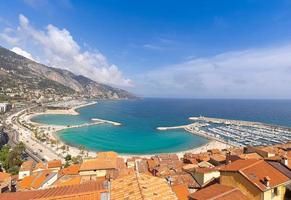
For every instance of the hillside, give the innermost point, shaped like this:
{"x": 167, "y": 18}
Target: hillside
{"x": 21, "y": 77}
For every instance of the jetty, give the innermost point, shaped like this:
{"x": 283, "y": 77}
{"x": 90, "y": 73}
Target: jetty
{"x": 171, "y": 128}
{"x": 106, "y": 121}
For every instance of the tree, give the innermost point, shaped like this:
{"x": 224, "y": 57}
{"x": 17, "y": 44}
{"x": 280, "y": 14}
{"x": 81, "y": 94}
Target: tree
{"x": 11, "y": 159}
{"x": 81, "y": 148}
{"x": 68, "y": 157}
{"x": 77, "y": 160}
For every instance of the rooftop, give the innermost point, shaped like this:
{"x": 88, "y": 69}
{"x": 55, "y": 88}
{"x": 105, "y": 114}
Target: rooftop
{"x": 87, "y": 191}
{"x": 54, "y": 164}
{"x": 256, "y": 171}
{"x": 26, "y": 166}
{"x": 141, "y": 186}
{"x": 218, "y": 192}
{"x": 98, "y": 163}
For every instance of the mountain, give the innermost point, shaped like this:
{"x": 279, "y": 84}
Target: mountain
{"x": 22, "y": 76}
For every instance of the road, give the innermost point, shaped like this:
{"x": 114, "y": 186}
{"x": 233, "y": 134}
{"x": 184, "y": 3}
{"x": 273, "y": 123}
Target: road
{"x": 36, "y": 150}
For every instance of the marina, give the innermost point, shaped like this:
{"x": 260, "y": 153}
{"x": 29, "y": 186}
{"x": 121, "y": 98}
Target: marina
{"x": 239, "y": 133}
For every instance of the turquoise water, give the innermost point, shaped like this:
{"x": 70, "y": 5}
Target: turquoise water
{"x": 140, "y": 118}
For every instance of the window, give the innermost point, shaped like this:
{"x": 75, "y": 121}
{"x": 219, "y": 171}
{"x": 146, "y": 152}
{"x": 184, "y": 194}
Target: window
{"x": 276, "y": 192}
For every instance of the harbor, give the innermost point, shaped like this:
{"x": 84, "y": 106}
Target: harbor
{"x": 236, "y": 132}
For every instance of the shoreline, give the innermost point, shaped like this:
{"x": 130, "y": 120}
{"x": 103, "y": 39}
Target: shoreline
{"x": 74, "y": 150}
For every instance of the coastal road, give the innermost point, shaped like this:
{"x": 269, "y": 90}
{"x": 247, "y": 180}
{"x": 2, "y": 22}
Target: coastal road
{"x": 35, "y": 150}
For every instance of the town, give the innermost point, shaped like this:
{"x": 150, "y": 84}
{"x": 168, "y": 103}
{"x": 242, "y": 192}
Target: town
{"x": 241, "y": 173}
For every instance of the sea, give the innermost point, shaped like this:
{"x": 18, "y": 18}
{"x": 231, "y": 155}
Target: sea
{"x": 140, "y": 118}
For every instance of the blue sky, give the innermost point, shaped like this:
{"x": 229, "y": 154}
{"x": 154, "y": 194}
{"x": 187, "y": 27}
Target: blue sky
{"x": 190, "y": 48}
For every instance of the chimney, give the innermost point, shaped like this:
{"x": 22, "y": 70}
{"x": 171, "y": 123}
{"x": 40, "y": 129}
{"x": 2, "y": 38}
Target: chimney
{"x": 284, "y": 160}
{"x": 266, "y": 181}
{"x": 228, "y": 160}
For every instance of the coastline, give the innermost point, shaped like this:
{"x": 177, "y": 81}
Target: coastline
{"x": 53, "y": 130}
{"x": 74, "y": 151}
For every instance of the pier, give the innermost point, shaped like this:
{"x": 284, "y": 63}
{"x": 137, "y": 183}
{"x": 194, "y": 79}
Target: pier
{"x": 106, "y": 121}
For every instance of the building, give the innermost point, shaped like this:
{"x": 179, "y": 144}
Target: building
{"x": 141, "y": 186}
{"x": 54, "y": 165}
{"x": 98, "y": 166}
{"x": 255, "y": 178}
{"x": 204, "y": 176}
{"x": 39, "y": 167}
{"x": 94, "y": 190}
{"x": 5, "y": 182}
{"x": 25, "y": 169}
{"x": 5, "y": 107}
{"x": 39, "y": 180}
{"x": 218, "y": 192}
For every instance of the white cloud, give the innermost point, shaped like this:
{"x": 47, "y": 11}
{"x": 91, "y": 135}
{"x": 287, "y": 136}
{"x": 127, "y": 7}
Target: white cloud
{"x": 57, "y": 48}
{"x": 23, "y": 53}
{"x": 252, "y": 73}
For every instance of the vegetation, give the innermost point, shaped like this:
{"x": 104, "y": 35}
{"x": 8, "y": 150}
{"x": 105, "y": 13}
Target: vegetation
{"x": 10, "y": 158}
{"x": 82, "y": 149}
{"x": 77, "y": 159}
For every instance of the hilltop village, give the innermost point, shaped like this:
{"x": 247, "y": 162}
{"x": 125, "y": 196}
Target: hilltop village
{"x": 235, "y": 173}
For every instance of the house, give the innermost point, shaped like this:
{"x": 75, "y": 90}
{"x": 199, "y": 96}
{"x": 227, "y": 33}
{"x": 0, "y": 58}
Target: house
{"x": 98, "y": 166}
{"x": 5, "y": 182}
{"x": 218, "y": 192}
{"x": 67, "y": 180}
{"x": 25, "y": 169}
{"x": 265, "y": 152}
{"x": 91, "y": 190}
{"x": 39, "y": 180}
{"x": 39, "y": 167}
{"x": 255, "y": 178}
{"x": 141, "y": 186}
{"x": 71, "y": 170}
{"x": 217, "y": 159}
{"x": 54, "y": 165}
{"x": 203, "y": 176}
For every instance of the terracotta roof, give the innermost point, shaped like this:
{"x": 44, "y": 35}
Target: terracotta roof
{"x": 66, "y": 181}
{"x": 181, "y": 191}
{"x": 26, "y": 182}
{"x": 218, "y": 192}
{"x": 186, "y": 179}
{"x": 36, "y": 180}
{"x": 238, "y": 164}
{"x": 54, "y": 164}
{"x": 204, "y": 170}
{"x": 98, "y": 163}
{"x": 151, "y": 163}
{"x": 255, "y": 171}
{"x": 4, "y": 176}
{"x": 250, "y": 156}
{"x": 39, "y": 165}
{"x": 86, "y": 191}
{"x": 214, "y": 151}
{"x": 41, "y": 178}
{"x": 141, "y": 186}
{"x": 218, "y": 157}
{"x": 189, "y": 167}
{"x": 26, "y": 166}
{"x": 71, "y": 170}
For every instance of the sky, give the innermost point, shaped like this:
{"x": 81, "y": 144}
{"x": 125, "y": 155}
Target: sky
{"x": 160, "y": 48}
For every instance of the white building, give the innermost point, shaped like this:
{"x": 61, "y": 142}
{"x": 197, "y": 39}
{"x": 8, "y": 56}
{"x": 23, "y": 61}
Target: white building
{"x": 25, "y": 169}
{"x": 4, "y": 107}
